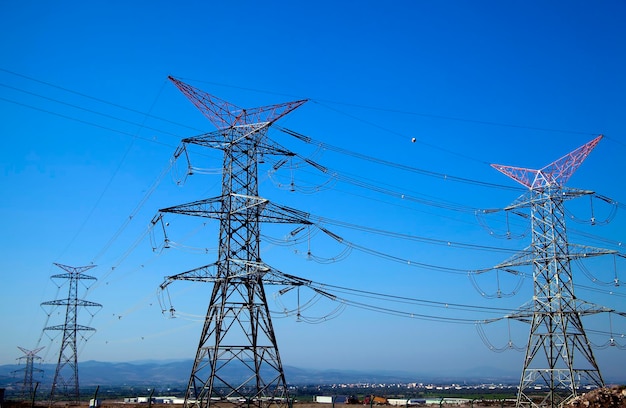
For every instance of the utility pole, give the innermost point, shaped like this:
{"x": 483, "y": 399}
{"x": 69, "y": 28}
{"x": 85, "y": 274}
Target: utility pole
{"x": 238, "y": 335}
{"x": 558, "y": 355}
{"x": 30, "y": 356}
{"x": 65, "y": 380}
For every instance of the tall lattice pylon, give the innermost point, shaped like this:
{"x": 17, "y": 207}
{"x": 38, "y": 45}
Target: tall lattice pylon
{"x": 28, "y": 388}
{"x": 558, "y": 356}
{"x": 238, "y": 335}
{"x": 65, "y": 382}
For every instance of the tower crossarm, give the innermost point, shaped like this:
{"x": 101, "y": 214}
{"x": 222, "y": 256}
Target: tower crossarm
{"x": 526, "y": 200}
{"x": 523, "y": 201}
{"x": 227, "y": 138}
{"x": 525, "y": 316}
{"x": 523, "y": 313}
{"x": 63, "y": 327}
{"x": 205, "y": 273}
{"x": 524, "y": 257}
{"x": 224, "y": 114}
{"x": 575, "y": 251}
{"x": 31, "y": 353}
{"x": 283, "y": 214}
{"x": 73, "y": 275}
{"x": 243, "y": 204}
{"x": 276, "y": 277}
{"x": 208, "y": 273}
{"x": 208, "y": 208}
{"x": 522, "y": 175}
{"x": 68, "y": 302}
{"x": 559, "y": 171}
{"x": 582, "y": 308}
{"x": 554, "y": 174}
{"x": 585, "y": 308}
{"x": 75, "y": 269}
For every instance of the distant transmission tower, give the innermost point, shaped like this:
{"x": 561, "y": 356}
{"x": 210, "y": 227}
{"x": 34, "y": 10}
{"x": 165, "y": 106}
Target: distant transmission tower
{"x": 27, "y": 385}
{"x": 65, "y": 380}
{"x": 237, "y": 333}
{"x": 558, "y": 357}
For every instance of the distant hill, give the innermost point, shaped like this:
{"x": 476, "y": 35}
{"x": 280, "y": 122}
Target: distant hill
{"x": 176, "y": 374}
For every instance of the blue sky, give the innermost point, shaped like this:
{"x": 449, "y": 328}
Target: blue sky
{"x": 90, "y": 124}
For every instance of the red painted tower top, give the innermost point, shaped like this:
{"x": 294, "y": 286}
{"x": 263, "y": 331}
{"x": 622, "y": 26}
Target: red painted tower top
{"x": 554, "y": 174}
{"x": 225, "y": 114}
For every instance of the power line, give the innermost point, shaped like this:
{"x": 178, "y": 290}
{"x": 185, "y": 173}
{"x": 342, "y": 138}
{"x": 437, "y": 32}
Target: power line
{"x": 85, "y": 122}
{"x": 433, "y": 241}
{"x": 347, "y": 152}
{"x": 324, "y": 101}
{"x": 144, "y": 114}
{"x": 404, "y": 299}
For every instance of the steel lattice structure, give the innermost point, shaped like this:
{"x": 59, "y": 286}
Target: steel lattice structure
{"x": 558, "y": 355}
{"x": 30, "y": 356}
{"x": 65, "y": 380}
{"x": 238, "y": 332}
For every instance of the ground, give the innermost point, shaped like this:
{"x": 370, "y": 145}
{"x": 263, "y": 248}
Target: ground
{"x": 614, "y": 397}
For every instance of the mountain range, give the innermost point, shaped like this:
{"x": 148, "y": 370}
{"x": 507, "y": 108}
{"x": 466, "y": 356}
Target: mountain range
{"x": 176, "y": 373}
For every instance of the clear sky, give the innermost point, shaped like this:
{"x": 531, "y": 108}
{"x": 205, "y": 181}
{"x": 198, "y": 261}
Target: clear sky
{"x": 90, "y": 125}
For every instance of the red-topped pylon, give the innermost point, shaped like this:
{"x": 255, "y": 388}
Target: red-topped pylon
{"x": 559, "y": 358}
{"x": 237, "y": 358}
{"x": 224, "y": 114}
{"x": 554, "y": 174}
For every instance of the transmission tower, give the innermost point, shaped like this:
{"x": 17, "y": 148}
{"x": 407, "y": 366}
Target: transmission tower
{"x": 65, "y": 380}
{"x": 30, "y": 356}
{"x": 238, "y": 332}
{"x": 558, "y": 357}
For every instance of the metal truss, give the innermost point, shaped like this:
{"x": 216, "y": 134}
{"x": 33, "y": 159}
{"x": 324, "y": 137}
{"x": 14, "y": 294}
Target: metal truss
{"x": 65, "y": 382}
{"x": 28, "y": 389}
{"x": 237, "y": 336}
{"x": 558, "y": 356}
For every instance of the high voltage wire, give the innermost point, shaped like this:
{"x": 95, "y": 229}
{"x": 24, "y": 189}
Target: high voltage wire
{"x": 92, "y": 98}
{"x": 456, "y": 119}
{"x": 146, "y": 196}
{"x": 385, "y": 189}
{"x": 347, "y": 179}
{"x": 419, "y": 316}
{"x": 134, "y": 136}
{"x": 85, "y": 122}
{"x": 327, "y": 146}
{"x": 395, "y": 311}
{"x": 353, "y": 181}
{"x": 322, "y": 101}
{"x": 140, "y": 125}
{"x": 302, "y": 137}
{"x": 322, "y": 289}
{"x": 404, "y": 299}
{"x": 370, "y": 123}
{"x": 447, "y": 243}
{"x": 287, "y": 131}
